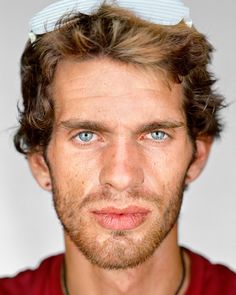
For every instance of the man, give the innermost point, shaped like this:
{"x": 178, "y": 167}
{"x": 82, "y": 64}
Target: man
{"x": 119, "y": 117}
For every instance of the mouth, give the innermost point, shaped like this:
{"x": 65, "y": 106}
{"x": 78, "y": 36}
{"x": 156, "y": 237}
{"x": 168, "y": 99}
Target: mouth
{"x": 121, "y": 219}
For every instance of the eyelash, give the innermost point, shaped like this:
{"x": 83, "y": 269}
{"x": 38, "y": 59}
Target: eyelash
{"x": 80, "y": 141}
{"x": 84, "y": 143}
{"x": 165, "y": 135}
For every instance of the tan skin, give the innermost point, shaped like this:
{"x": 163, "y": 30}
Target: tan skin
{"x": 142, "y": 142}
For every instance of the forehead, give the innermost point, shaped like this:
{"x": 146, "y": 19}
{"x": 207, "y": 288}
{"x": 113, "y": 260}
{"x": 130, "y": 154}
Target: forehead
{"x": 105, "y": 86}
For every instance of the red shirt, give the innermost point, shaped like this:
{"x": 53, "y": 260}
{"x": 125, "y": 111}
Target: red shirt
{"x": 45, "y": 280}
{"x": 206, "y": 279}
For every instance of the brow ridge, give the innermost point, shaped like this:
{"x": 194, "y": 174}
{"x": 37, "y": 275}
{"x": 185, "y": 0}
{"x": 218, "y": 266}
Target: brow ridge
{"x": 102, "y": 127}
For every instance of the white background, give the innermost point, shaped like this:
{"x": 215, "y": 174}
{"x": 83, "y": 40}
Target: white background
{"x": 29, "y": 230}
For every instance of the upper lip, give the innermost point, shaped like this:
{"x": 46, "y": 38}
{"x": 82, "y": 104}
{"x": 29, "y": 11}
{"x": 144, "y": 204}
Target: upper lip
{"x": 127, "y": 210}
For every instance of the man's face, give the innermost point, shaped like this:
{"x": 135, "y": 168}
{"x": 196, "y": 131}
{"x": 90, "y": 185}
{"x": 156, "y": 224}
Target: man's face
{"x": 118, "y": 159}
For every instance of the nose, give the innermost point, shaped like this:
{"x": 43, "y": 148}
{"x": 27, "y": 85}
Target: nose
{"x": 122, "y": 166}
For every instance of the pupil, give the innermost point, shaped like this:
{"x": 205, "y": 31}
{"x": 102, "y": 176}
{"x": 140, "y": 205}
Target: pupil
{"x": 86, "y": 136}
{"x": 157, "y": 135}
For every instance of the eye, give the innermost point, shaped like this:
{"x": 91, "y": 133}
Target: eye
{"x": 157, "y": 135}
{"x": 85, "y": 136}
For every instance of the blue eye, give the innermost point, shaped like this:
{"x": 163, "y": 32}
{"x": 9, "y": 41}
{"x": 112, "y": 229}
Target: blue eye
{"x": 85, "y": 136}
{"x": 158, "y": 135}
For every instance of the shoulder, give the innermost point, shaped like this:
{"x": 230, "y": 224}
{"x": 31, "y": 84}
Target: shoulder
{"x": 40, "y": 281}
{"x": 209, "y": 278}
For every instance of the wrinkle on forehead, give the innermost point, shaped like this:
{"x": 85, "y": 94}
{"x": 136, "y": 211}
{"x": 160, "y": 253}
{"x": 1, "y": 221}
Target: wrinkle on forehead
{"x": 104, "y": 88}
{"x": 106, "y": 74}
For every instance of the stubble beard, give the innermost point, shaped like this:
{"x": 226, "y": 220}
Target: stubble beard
{"x": 117, "y": 249}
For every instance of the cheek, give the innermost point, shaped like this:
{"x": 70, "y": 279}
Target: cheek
{"x": 73, "y": 171}
{"x": 168, "y": 166}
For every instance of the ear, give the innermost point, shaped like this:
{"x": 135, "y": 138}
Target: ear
{"x": 202, "y": 145}
{"x": 40, "y": 170}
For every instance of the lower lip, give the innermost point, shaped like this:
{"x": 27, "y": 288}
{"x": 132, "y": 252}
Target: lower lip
{"x": 120, "y": 221}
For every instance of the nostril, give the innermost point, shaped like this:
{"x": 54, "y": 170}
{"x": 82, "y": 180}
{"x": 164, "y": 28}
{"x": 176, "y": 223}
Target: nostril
{"x": 121, "y": 177}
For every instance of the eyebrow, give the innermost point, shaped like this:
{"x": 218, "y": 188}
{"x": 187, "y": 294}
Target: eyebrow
{"x": 86, "y": 125}
{"x": 156, "y": 125}
{"x": 101, "y": 127}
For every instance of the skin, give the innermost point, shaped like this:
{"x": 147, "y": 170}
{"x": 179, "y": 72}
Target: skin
{"x": 140, "y": 154}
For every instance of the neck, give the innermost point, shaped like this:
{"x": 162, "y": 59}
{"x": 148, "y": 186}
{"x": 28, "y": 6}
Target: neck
{"x": 161, "y": 274}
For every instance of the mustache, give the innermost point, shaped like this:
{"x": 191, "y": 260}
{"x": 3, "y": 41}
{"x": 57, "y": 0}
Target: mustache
{"x": 134, "y": 194}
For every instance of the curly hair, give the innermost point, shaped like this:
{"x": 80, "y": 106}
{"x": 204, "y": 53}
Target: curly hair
{"x": 180, "y": 51}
